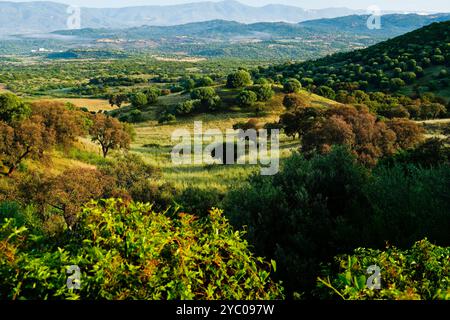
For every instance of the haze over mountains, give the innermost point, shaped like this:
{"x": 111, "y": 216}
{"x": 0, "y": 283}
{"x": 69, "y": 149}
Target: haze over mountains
{"x": 39, "y": 17}
{"x": 392, "y": 25}
{"x": 207, "y": 29}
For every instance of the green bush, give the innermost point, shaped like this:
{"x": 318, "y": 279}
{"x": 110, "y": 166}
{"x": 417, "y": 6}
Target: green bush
{"x": 187, "y": 107}
{"x": 420, "y": 273}
{"x": 247, "y": 98}
{"x": 138, "y": 100}
{"x": 199, "y": 200}
{"x": 314, "y": 209}
{"x": 127, "y": 251}
{"x": 292, "y": 86}
{"x": 264, "y": 92}
{"x": 166, "y": 118}
{"x": 12, "y": 108}
{"x": 326, "y": 92}
{"x": 239, "y": 79}
{"x": 204, "y": 82}
{"x": 209, "y": 100}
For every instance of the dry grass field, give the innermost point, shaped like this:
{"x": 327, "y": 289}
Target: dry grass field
{"x": 91, "y": 104}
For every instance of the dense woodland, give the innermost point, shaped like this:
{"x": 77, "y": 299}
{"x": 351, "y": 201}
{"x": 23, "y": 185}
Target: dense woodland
{"x": 364, "y": 181}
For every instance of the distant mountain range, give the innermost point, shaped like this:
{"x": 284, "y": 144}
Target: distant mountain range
{"x": 42, "y": 17}
{"x": 392, "y": 26}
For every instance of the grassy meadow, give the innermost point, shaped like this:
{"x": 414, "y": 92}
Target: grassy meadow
{"x": 153, "y": 140}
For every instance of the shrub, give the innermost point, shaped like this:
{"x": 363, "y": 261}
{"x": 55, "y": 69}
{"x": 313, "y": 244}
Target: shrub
{"x": 326, "y": 92}
{"x": 64, "y": 193}
{"x": 315, "y": 209}
{"x": 204, "y": 82}
{"x": 198, "y": 200}
{"x": 152, "y": 95}
{"x": 419, "y": 273}
{"x": 361, "y": 132}
{"x": 188, "y": 84}
{"x": 239, "y": 79}
{"x": 298, "y": 217}
{"x": 187, "y": 107}
{"x": 431, "y": 153}
{"x": 138, "y": 100}
{"x": 292, "y": 86}
{"x": 176, "y": 89}
{"x": 264, "y": 92}
{"x": 247, "y": 98}
{"x": 396, "y": 83}
{"x": 409, "y": 203}
{"x": 209, "y": 100}
{"x": 135, "y": 116}
{"x": 131, "y": 252}
{"x": 294, "y": 101}
{"x": 432, "y": 111}
{"x": 166, "y": 118}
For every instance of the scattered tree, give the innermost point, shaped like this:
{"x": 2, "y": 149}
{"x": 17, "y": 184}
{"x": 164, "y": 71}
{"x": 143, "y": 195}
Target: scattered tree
{"x": 292, "y": 86}
{"x": 247, "y": 98}
{"x": 110, "y": 133}
{"x": 239, "y": 79}
{"x": 22, "y": 140}
{"x": 12, "y": 108}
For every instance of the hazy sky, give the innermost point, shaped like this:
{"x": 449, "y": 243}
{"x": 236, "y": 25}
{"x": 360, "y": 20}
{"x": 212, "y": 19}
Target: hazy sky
{"x": 403, "y": 5}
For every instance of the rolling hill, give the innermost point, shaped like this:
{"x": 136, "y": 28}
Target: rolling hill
{"x": 391, "y": 24}
{"x": 412, "y": 64}
{"x": 265, "y": 40}
{"x": 356, "y": 25}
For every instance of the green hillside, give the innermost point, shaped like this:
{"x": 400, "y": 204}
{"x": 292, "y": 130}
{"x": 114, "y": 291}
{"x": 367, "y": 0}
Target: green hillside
{"x": 414, "y": 64}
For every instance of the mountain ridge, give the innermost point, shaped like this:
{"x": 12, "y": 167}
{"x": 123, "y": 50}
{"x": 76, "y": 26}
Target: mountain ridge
{"x": 43, "y": 17}
{"x": 393, "y": 25}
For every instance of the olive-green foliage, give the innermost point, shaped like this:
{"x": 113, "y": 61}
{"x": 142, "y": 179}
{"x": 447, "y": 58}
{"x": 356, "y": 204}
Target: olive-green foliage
{"x": 204, "y": 82}
{"x": 239, "y": 79}
{"x": 431, "y": 153}
{"x": 131, "y": 252}
{"x": 138, "y": 100}
{"x": 419, "y": 273}
{"x": 187, "y": 107}
{"x": 326, "y": 92}
{"x": 264, "y": 92}
{"x": 166, "y": 118}
{"x": 209, "y": 100}
{"x": 299, "y": 215}
{"x": 133, "y": 177}
{"x": 142, "y": 99}
{"x": 314, "y": 209}
{"x": 12, "y": 108}
{"x": 292, "y": 86}
{"x": 152, "y": 95}
{"x": 198, "y": 200}
{"x": 408, "y": 203}
{"x": 247, "y": 98}
{"x": 408, "y": 65}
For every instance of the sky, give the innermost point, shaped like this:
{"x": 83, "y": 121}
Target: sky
{"x": 385, "y": 5}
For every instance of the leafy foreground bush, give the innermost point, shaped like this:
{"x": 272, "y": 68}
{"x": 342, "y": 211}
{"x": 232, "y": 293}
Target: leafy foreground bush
{"x": 130, "y": 252}
{"x": 422, "y": 272}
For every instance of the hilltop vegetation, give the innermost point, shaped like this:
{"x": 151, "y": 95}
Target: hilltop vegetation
{"x": 395, "y": 78}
